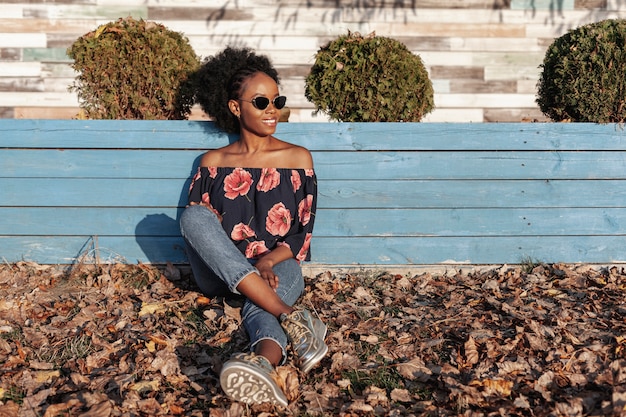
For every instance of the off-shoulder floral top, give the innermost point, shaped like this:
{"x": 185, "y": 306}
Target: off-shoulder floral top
{"x": 261, "y": 208}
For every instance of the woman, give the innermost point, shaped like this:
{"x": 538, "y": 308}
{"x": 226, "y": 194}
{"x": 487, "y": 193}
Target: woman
{"x": 249, "y": 223}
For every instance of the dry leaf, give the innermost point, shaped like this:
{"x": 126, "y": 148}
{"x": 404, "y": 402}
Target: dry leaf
{"x": 471, "y": 352}
{"x": 151, "y": 308}
{"x": 414, "y": 369}
{"x": 544, "y": 342}
{"x": 287, "y": 379}
{"x": 145, "y": 386}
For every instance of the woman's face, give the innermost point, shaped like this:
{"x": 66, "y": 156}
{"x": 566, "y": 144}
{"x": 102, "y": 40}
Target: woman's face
{"x": 261, "y": 122}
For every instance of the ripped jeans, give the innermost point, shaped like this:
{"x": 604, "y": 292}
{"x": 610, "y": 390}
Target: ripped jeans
{"x": 218, "y": 267}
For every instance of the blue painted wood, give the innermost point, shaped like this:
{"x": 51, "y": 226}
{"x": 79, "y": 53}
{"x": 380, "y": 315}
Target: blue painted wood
{"x": 342, "y": 251}
{"x": 200, "y": 135}
{"x": 383, "y": 165}
{"x": 390, "y": 193}
{"x": 147, "y": 221}
{"x": 342, "y": 194}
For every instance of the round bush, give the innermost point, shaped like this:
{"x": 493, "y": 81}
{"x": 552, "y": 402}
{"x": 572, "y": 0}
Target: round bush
{"x": 133, "y": 69}
{"x": 369, "y": 79}
{"x": 583, "y": 76}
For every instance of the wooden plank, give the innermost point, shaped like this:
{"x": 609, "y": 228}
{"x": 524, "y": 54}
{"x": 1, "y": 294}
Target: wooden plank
{"x": 20, "y": 69}
{"x": 464, "y": 30}
{"x": 46, "y": 112}
{"x": 110, "y": 12}
{"x": 379, "y": 4}
{"x": 78, "y": 26}
{"x": 337, "y": 251}
{"x": 22, "y": 40}
{"x": 482, "y": 86}
{"x": 93, "y": 163}
{"x": 486, "y": 101}
{"x": 19, "y": 84}
{"x": 206, "y": 14}
{"x": 485, "y": 222}
{"x": 515, "y": 115}
{"x": 480, "y": 250}
{"x": 37, "y": 99}
{"x": 442, "y": 13}
{"x": 392, "y": 165}
{"x": 201, "y": 135}
{"x": 558, "y": 7}
{"x": 590, "y": 4}
{"x": 46, "y": 54}
{"x": 379, "y": 222}
{"x": 342, "y": 194}
{"x": 456, "y": 72}
{"x": 73, "y": 221}
{"x": 6, "y": 112}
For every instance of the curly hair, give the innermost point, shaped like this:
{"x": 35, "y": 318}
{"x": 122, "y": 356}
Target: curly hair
{"x": 221, "y": 77}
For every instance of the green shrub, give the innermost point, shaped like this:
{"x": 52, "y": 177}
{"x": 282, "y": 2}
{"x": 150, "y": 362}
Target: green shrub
{"x": 369, "y": 79}
{"x": 583, "y": 76}
{"x": 133, "y": 69}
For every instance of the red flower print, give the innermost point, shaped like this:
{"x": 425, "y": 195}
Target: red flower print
{"x": 296, "y": 181}
{"x": 270, "y": 178}
{"x": 237, "y": 183}
{"x": 212, "y": 172}
{"x": 309, "y": 172}
{"x": 278, "y": 220}
{"x": 301, "y": 256}
{"x": 194, "y": 179}
{"x": 304, "y": 209}
{"x": 242, "y": 232}
{"x": 206, "y": 200}
{"x": 256, "y": 249}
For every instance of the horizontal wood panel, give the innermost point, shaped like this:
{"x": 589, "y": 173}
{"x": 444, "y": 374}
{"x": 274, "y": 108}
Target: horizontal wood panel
{"x": 181, "y": 164}
{"x": 388, "y": 193}
{"x": 381, "y": 222}
{"x": 120, "y": 134}
{"x": 338, "y": 251}
{"x": 80, "y": 192}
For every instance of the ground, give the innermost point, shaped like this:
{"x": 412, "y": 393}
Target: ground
{"x": 138, "y": 340}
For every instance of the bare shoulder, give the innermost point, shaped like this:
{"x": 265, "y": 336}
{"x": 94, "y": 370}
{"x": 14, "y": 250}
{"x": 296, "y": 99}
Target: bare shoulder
{"x": 212, "y": 158}
{"x": 298, "y": 156}
{"x": 302, "y": 157}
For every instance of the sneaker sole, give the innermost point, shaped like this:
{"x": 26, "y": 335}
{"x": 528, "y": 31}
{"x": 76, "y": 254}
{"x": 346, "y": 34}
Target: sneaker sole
{"x": 243, "y": 384}
{"x": 311, "y": 362}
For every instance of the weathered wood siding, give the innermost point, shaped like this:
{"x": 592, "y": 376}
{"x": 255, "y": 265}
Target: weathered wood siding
{"x": 483, "y": 55}
{"x": 389, "y": 194}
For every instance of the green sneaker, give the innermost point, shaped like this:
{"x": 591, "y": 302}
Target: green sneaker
{"x": 249, "y": 378}
{"x": 306, "y": 334}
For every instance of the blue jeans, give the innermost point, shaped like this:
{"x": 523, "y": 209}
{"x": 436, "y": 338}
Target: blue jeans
{"x": 218, "y": 267}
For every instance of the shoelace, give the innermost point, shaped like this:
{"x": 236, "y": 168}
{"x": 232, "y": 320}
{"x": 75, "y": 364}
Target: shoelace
{"x": 298, "y": 331}
{"x": 257, "y": 360}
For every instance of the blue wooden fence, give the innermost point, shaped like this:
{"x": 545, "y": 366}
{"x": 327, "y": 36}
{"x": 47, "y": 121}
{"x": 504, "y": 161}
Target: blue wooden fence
{"x": 389, "y": 194}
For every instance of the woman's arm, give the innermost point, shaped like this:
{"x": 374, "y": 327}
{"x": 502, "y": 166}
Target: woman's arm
{"x": 266, "y": 263}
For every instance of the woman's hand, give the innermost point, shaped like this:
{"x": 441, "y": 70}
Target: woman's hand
{"x": 267, "y": 273}
{"x": 265, "y": 264}
{"x": 210, "y": 207}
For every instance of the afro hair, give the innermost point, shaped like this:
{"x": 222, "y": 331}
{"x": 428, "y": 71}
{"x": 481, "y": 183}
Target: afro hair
{"x": 220, "y": 79}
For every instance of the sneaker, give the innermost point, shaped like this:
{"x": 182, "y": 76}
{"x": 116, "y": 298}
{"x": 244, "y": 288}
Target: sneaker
{"x": 306, "y": 335}
{"x": 249, "y": 378}
{"x": 320, "y": 328}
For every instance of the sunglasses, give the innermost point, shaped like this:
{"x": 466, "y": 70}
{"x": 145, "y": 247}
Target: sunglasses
{"x": 261, "y": 103}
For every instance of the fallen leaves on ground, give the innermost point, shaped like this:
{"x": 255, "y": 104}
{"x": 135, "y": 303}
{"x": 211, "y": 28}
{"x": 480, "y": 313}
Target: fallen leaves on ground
{"x": 136, "y": 340}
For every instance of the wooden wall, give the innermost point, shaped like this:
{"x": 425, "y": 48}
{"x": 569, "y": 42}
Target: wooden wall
{"x": 483, "y": 55}
{"x": 389, "y": 193}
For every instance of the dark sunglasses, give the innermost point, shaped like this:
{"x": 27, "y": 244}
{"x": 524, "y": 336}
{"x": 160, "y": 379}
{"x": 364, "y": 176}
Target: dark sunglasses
{"x": 261, "y": 103}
